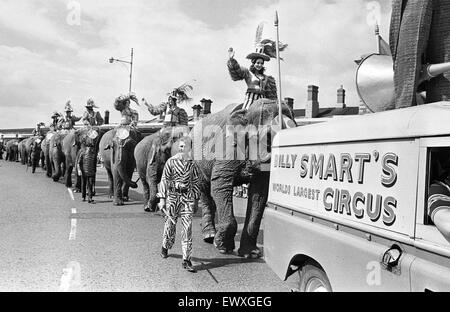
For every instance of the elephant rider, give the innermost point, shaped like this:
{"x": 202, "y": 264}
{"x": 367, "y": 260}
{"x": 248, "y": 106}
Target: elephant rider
{"x": 130, "y": 117}
{"x": 179, "y": 193}
{"x": 38, "y": 131}
{"x": 259, "y": 85}
{"x": 68, "y": 122}
{"x": 174, "y": 115}
{"x": 54, "y": 124}
{"x": 91, "y": 117}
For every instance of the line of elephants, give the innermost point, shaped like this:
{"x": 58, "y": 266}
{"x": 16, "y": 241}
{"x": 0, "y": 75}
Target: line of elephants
{"x": 123, "y": 150}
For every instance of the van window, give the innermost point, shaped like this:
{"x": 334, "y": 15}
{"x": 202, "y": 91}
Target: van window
{"x": 438, "y": 181}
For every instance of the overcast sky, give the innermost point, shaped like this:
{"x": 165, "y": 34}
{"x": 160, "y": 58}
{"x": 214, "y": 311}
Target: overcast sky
{"x": 54, "y": 51}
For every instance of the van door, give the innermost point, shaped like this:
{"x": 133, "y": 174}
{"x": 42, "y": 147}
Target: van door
{"x": 430, "y": 271}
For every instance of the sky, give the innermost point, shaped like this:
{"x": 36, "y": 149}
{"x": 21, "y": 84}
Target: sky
{"x": 55, "y": 51}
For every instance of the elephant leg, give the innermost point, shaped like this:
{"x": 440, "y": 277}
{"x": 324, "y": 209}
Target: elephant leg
{"x": 222, "y": 193}
{"x": 48, "y": 166}
{"x": 111, "y": 182}
{"x": 208, "y": 209}
{"x": 69, "y": 175}
{"x": 150, "y": 183}
{"x": 257, "y": 199}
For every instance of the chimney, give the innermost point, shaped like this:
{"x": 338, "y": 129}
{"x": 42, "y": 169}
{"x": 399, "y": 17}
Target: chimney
{"x": 312, "y": 105}
{"x": 106, "y": 117}
{"x": 289, "y": 102}
{"x": 206, "y": 104}
{"x": 341, "y": 97}
{"x": 197, "y": 111}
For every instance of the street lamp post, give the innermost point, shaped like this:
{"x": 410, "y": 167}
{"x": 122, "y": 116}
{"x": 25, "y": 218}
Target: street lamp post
{"x": 111, "y": 60}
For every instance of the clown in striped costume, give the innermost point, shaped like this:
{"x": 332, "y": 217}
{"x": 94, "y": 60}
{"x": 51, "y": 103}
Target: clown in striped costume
{"x": 179, "y": 193}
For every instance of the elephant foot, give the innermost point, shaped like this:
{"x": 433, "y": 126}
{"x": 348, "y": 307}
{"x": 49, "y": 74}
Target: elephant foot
{"x": 252, "y": 253}
{"x": 209, "y": 238}
{"x": 223, "y": 250}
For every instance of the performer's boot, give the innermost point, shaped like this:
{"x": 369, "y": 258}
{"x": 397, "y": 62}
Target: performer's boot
{"x": 164, "y": 253}
{"x": 187, "y": 265}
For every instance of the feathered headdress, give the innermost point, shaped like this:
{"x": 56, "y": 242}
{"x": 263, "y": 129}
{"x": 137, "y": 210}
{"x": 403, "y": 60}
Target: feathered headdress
{"x": 180, "y": 93}
{"x": 265, "y": 48}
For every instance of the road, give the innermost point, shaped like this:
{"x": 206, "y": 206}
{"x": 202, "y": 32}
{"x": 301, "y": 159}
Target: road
{"x": 51, "y": 242}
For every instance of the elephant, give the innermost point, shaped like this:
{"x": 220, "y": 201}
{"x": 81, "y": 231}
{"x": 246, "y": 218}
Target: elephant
{"x": 117, "y": 150}
{"x": 220, "y": 174}
{"x": 12, "y": 150}
{"x": 70, "y": 149}
{"x": 151, "y": 155}
{"x": 45, "y": 147}
{"x": 57, "y": 157}
{"x": 419, "y": 35}
{"x": 22, "y": 151}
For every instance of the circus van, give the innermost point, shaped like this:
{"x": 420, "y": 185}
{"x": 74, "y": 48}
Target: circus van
{"x": 347, "y": 206}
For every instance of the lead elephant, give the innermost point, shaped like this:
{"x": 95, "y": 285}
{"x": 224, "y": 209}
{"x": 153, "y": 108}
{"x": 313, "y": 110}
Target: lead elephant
{"x": 419, "y": 35}
{"x": 117, "y": 151}
{"x": 151, "y": 155}
{"x": 70, "y": 149}
{"x": 45, "y": 147}
{"x": 57, "y": 157}
{"x": 239, "y": 165}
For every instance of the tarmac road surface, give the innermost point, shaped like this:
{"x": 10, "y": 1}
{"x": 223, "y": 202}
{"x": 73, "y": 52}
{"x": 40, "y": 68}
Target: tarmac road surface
{"x": 50, "y": 242}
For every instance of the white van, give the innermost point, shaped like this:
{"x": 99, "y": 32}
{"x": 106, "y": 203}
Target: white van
{"x": 347, "y": 207}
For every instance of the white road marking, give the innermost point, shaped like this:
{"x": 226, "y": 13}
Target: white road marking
{"x": 71, "y": 193}
{"x": 73, "y": 226}
{"x": 71, "y": 276}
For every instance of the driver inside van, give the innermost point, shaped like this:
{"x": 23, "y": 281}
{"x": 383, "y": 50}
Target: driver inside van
{"x": 439, "y": 191}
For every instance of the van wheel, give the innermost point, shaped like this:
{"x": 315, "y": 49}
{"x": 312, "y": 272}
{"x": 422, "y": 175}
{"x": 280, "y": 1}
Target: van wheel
{"x": 313, "y": 279}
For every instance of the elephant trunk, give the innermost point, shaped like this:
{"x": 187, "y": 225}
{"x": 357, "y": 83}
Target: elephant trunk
{"x": 124, "y": 175}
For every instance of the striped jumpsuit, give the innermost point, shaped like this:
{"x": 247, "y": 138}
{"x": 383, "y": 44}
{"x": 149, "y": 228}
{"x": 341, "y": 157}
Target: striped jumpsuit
{"x": 180, "y": 187}
{"x": 257, "y": 88}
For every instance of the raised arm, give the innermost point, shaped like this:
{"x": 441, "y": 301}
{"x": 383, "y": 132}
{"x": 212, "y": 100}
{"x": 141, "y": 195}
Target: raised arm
{"x": 236, "y": 71}
{"x": 155, "y": 110}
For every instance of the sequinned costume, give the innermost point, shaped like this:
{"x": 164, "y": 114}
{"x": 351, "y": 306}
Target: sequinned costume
{"x": 257, "y": 87}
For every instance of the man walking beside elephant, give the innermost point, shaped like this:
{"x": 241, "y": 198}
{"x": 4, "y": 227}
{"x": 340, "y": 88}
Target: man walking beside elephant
{"x": 179, "y": 192}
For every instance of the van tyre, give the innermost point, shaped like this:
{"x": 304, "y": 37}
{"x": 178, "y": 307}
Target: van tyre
{"x": 313, "y": 279}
